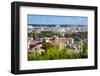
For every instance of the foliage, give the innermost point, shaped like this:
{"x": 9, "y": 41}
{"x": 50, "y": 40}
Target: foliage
{"x": 47, "y": 33}
{"x": 53, "y": 52}
{"x": 33, "y": 35}
{"x": 42, "y": 34}
{"x": 81, "y": 35}
{"x": 47, "y": 45}
{"x": 84, "y": 53}
{"x": 59, "y": 34}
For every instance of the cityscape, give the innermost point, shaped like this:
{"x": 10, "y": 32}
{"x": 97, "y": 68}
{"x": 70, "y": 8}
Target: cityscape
{"x": 52, "y": 41}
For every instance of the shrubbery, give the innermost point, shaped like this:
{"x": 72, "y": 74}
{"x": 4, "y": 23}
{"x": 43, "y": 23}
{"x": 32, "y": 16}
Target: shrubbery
{"x": 53, "y": 52}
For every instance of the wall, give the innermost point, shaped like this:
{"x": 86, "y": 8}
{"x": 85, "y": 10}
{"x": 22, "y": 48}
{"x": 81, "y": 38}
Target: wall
{"x": 5, "y": 41}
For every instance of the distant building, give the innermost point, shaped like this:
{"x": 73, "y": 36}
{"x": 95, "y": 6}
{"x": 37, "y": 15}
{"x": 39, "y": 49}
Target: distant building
{"x": 53, "y": 27}
{"x": 71, "y": 41}
{"x": 46, "y": 40}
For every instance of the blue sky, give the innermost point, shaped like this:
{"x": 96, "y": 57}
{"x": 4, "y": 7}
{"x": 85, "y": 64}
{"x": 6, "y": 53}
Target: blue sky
{"x": 47, "y": 19}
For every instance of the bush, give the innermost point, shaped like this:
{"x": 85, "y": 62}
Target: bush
{"x": 53, "y": 52}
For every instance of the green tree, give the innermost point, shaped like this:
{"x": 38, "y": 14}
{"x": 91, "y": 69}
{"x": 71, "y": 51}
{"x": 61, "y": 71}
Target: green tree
{"x": 84, "y": 53}
{"x": 59, "y": 34}
{"x": 47, "y": 45}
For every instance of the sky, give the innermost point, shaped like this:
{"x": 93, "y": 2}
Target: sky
{"x": 47, "y": 19}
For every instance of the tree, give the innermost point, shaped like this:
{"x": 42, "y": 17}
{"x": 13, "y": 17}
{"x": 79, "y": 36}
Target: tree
{"x": 30, "y": 34}
{"x": 84, "y": 53}
{"x": 47, "y": 45}
{"x": 59, "y": 34}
